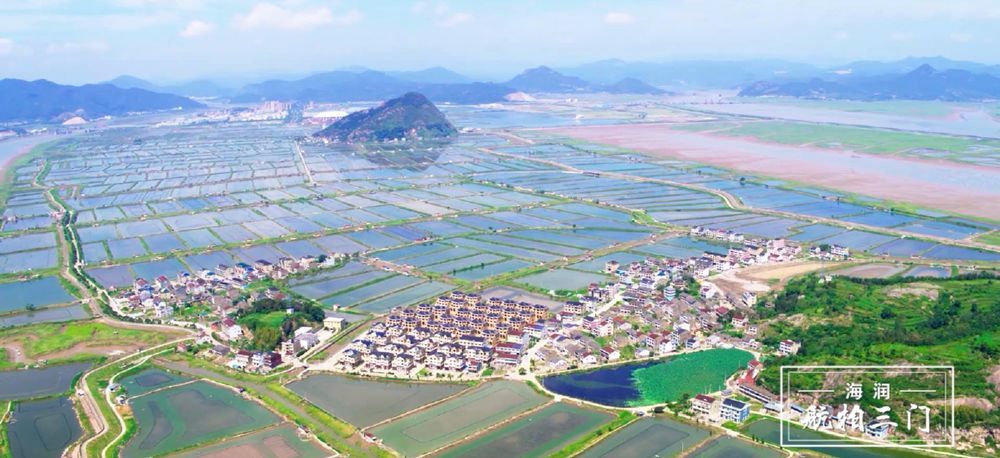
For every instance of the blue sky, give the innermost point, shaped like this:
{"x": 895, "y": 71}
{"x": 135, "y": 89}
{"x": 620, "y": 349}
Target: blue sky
{"x": 171, "y": 40}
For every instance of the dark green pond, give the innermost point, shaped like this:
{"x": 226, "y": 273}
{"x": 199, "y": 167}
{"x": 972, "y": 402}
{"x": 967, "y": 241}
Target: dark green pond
{"x": 42, "y": 429}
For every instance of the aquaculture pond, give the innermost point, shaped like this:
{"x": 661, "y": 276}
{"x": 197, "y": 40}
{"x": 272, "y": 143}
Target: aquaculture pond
{"x": 766, "y": 430}
{"x": 48, "y": 315}
{"x": 364, "y": 402}
{"x": 33, "y": 383}
{"x": 651, "y": 382}
{"x": 39, "y": 293}
{"x": 648, "y": 437}
{"x": 42, "y": 429}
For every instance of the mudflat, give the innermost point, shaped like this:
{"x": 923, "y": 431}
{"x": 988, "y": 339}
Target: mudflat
{"x": 943, "y": 185}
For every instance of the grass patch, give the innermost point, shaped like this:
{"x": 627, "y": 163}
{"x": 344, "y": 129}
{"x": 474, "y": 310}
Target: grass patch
{"x": 47, "y": 338}
{"x": 991, "y": 238}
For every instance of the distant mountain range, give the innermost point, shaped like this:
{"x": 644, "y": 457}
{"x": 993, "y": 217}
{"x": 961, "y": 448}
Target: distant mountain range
{"x": 368, "y": 85}
{"x": 43, "y": 100}
{"x": 689, "y": 74}
{"x": 545, "y": 79}
{"x": 410, "y": 116}
{"x": 922, "y": 83}
{"x": 878, "y": 68}
{"x": 721, "y": 74}
{"x": 196, "y": 88}
{"x": 921, "y": 78}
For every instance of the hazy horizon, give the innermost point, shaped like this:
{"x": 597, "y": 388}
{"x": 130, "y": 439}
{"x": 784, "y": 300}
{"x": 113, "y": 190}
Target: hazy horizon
{"x": 179, "y": 40}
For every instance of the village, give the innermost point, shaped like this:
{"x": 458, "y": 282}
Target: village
{"x": 651, "y": 308}
{"x": 209, "y": 300}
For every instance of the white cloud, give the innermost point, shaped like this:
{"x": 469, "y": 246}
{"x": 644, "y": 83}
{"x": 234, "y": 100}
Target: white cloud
{"x": 454, "y": 19}
{"x": 77, "y": 47}
{"x": 271, "y": 16}
{"x": 197, "y": 28}
{"x": 618, "y": 17}
{"x": 6, "y": 46}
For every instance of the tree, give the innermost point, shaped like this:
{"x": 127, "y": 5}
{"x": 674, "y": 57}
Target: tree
{"x": 266, "y": 338}
{"x": 30, "y": 307}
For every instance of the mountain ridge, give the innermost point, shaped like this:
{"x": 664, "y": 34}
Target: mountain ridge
{"x": 368, "y": 85}
{"x": 922, "y": 83}
{"x": 43, "y": 100}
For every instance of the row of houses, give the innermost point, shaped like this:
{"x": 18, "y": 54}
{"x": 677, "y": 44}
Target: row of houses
{"x": 458, "y": 333}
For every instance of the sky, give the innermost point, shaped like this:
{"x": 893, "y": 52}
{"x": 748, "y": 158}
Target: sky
{"x": 73, "y": 42}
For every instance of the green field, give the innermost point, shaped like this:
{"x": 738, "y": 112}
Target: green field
{"x": 280, "y": 441}
{"x": 268, "y": 319}
{"x": 992, "y": 238}
{"x": 867, "y": 140}
{"x": 363, "y": 402}
{"x": 536, "y": 435}
{"x": 648, "y": 438}
{"x": 458, "y": 418}
{"x": 179, "y": 417}
{"x": 688, "y": 374}
{"x": 43, "y": 339}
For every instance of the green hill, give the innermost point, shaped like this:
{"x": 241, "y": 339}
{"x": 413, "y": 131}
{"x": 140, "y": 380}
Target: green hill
{"x": 409, "y": 117}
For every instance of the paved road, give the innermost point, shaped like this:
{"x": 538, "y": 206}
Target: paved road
{"x": 89, "y": 401}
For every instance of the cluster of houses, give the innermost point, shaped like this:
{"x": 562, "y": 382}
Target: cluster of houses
{"x": 252, "y": 361}
{"x": 220, "y": 288}
{"x": 302, "y": 339}
{"x": 649, "y": 309}
{"x": 458, "y": 333}
{"x": 751, "y": 251}
{"x": 830, "y": 252}
{"x": 729, "y": 409}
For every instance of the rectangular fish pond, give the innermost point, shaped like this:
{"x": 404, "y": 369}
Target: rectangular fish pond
{"x": 42, "y": 429}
